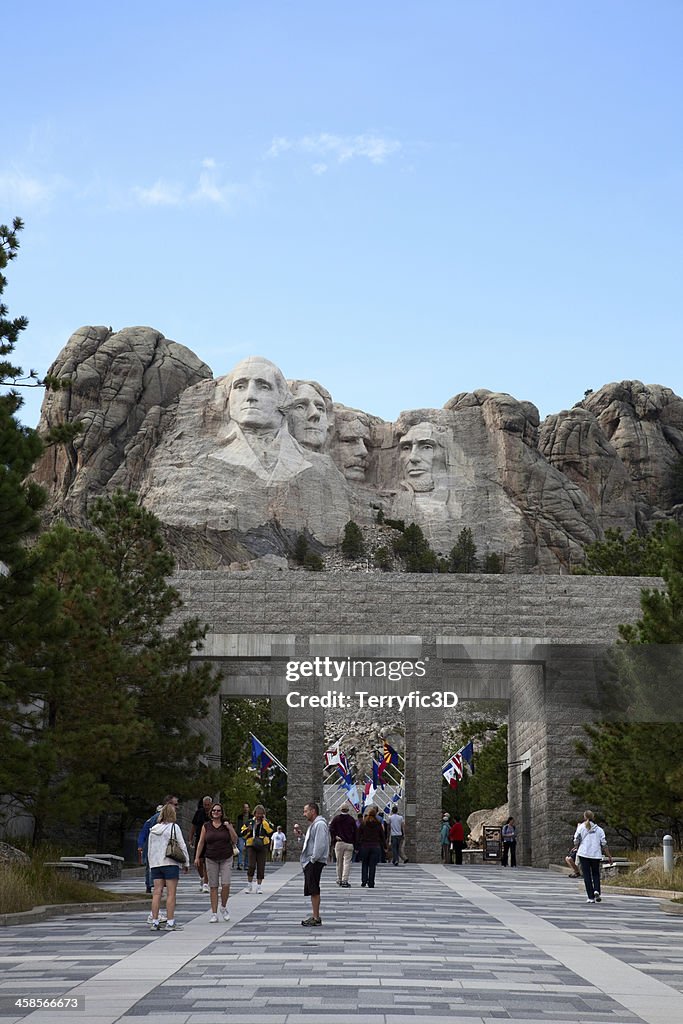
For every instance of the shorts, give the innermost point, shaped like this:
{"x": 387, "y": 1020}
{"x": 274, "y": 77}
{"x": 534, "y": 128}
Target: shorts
{"x": 572, "y": 855}
{"x": 166, "y": 871}
{"x": 214, "y": 868}
{"x": 312, "y": 873}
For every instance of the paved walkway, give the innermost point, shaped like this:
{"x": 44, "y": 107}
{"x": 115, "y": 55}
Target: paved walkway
{"x": 429, "y": 944}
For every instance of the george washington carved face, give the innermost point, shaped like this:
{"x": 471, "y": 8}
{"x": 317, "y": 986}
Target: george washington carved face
{"x": 257, "y": 392}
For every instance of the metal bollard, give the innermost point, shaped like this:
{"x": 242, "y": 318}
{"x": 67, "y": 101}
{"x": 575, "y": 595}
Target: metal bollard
{"x": 668, "y": 851}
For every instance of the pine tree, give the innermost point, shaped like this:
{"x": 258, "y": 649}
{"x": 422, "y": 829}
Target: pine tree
{"x": 463, "y": 556}
{"x": 616, "y": 555}
{"x": 352, "y": 544}
{"x": 631, "y": 768}
{"x": 111, "y": 723}
{"x": 412, "y": 546}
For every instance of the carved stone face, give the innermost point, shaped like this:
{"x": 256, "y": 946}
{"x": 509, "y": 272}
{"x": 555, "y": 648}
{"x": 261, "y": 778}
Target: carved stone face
{"x": 421, "y": 457}
{"x": 350, "y": 450}
{"x": 308, "y": 417}
{"x": 256, "y": 394}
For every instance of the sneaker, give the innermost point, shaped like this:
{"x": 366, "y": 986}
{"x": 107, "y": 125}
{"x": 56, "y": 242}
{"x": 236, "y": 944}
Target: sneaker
{"x": 163, "y": 916}
{"x": 338, "y": 882}
{"x": 174, "y": 927}
{"x": 150, "y": 919}
{"x": 259, "y": 889}
{"x": 598, "y": 898}
{"x": 154, "y": 926}
{"x": 311, "y": 922}
{"x": 250, "y": 887}
{"x": 205, "y": 887}
{"x": 213, "y": 919}
{"x": 590, "y": 901}
{"x": 346, "y": 885}
{"x": 226, "y": 913}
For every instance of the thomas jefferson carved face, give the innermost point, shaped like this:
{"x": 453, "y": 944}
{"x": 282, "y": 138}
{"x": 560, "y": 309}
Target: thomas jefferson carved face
{"x": 257, "y": 393}
{"x": 421, "y": 456}
{"x": 350, "y": 451}
{"x": 308, "y": 418}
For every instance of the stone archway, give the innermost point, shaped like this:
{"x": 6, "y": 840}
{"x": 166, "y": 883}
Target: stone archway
{"x": 480, "y": 636}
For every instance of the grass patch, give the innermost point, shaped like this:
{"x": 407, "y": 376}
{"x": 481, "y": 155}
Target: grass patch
{"x": 24, "y": 886}
{"x": 650, "y": 879}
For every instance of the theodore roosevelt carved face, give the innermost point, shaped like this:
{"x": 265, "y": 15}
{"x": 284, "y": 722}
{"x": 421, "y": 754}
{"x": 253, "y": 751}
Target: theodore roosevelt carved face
{"x": 351, "y": 444}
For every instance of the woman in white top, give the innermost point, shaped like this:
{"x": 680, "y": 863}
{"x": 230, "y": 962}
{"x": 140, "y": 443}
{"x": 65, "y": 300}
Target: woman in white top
{"x": 592, "y": 843}
{"x": 163, "y": 868}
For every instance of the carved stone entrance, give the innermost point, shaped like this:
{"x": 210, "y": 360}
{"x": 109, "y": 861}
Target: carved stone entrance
{"x": 529, "y": 640}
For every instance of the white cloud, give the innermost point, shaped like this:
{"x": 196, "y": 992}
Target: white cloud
{"x": 319, "y": 168}
{"x": 161, "y": 193}
{"x": 343, "y": 148}
{"x": 16, "y": 187}
{"x": 207, "y": 189}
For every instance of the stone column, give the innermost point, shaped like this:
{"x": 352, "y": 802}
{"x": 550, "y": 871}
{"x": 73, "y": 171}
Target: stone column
{"x": 423, "y": 761}
{"x": 305, "y": 747}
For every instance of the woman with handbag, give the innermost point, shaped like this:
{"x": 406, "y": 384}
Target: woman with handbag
{"x": 167, "y": 853}
{"x": 217, "y": 841}
{"x": 257, "y": 833}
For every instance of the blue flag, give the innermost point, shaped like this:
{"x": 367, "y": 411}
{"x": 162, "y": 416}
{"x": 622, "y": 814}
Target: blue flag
{"x": 260, "y": 758}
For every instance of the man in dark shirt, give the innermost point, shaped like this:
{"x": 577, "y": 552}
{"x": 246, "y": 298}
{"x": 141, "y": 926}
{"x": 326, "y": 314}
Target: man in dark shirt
{"x": 343, "y": 838}
{"x": 202, "y": 815}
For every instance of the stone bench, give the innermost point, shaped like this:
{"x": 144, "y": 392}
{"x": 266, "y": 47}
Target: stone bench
{"x": 69, "y": 869}
{"x": 115, "y": 862}
{"x": 98, "y": 868}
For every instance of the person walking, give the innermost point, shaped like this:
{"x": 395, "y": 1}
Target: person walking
{"x": 396, "y": 834}
{"x": 343, "y": 837}
{"x": 444, "y": 840}
{"x": 164, "y": 869}
{"x": 243, "y": 818}
{"x": 370, "y": 842}
{"x": 592, "y": 844}
{"x": 509, "y": 836}
{"x": 278, "y": 845}
{"x": 201, "y": 817}
{"x": 216, "y": 843}
{"x": 313, "y": 859}
{"x": 456, "y": 835}
{"x": 257, "y": 833}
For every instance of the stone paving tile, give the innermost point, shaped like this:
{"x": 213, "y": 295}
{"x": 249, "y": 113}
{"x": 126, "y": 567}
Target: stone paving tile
{"x": 411, "y": 950}
{"x": 631, "y": 929}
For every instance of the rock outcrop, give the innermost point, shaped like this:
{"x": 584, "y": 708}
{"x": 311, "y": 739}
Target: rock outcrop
{"x": 237, "y": 467}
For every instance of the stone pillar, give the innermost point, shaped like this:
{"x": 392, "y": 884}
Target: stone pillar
{"x": 305, "y": 748}
{"x": 549, "y": 703}
{"x": 423, "y": 761}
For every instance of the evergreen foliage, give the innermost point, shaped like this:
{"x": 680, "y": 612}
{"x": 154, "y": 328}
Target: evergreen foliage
{"x": 492, "y": 564}
{"x": 632, "y": 771}
{"x": 463, "y": 556}
{"x": 305, "y": 556}
{"x": 488, "y": 786}
{"x": 107, "y": 724}
{"x": 241, "y": 784}
{"x": 382, "y": 559}
{"x": 352, "y": 544}
{"x": 616, "y": 555}
{"x": 413, "y": 548}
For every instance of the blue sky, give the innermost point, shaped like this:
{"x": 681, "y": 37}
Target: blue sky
{"x": 403, "y": 200}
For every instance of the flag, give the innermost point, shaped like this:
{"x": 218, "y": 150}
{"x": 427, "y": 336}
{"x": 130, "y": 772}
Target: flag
{"x": 332, "y": 757}
{"x": 390, "y": 757}
{"x": 467, "y": 754}
{"x": 354, "y": 797}
{"x": 260, "y": 757}
{"x": 375, "y": 774}
{"x": 452, "y": 770}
